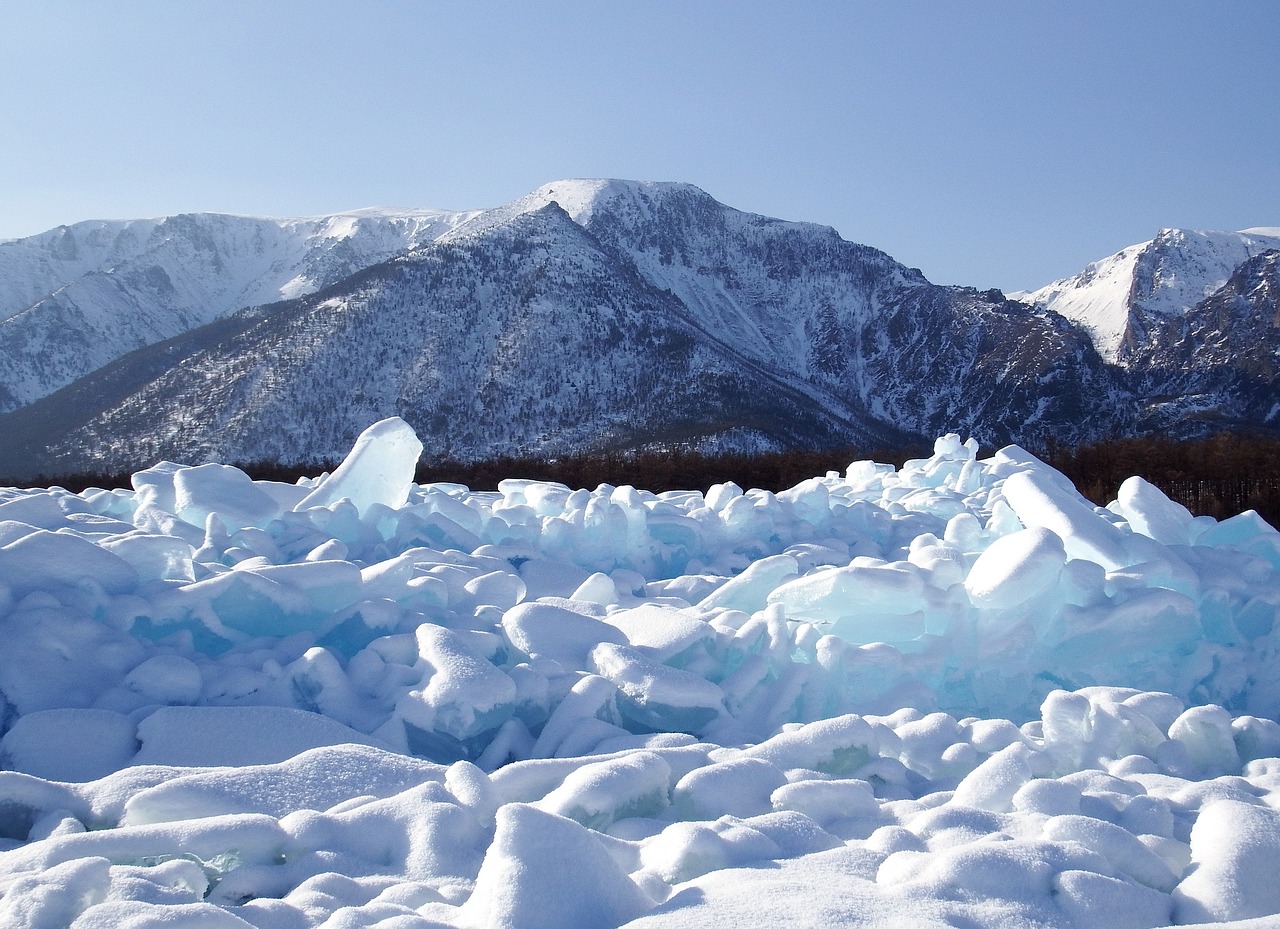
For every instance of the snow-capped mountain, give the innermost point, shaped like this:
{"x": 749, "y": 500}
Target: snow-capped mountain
{"x": 622, "y": 314}
{"x": 594, "y": 313}
{"x": 77, "y": 297}
{"x": 1164, "y": 277}
{"x": 1189, "y": 320}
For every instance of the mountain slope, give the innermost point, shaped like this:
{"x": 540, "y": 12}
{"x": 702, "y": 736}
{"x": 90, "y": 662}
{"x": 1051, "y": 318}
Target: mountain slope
{"x": 1163, "y": 277}
{"x": 621, "y": 314}
{"x": 1216, "y": 365}
{"x": 75, "y": 298}
{"x": 639, "y": 314}
{"x": 529, "y": 338}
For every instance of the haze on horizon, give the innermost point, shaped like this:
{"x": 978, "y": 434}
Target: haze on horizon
{"x": 1001, "y": 145}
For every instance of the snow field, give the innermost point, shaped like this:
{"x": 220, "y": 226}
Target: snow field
{"x": 951, "y": 693}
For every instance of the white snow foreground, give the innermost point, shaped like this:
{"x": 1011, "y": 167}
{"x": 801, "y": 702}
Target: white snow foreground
{"x": 951, "y": 694}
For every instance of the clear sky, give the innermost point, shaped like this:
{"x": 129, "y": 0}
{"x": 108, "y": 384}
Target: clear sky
{"x": 995, "y": 144}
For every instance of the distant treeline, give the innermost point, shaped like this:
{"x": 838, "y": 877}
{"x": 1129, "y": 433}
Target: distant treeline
{"x": 1218, "y": 476}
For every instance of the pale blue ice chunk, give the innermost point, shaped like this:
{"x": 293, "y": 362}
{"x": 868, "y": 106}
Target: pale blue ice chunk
{"x": 378, "y": 469}
{"x": 330, "y": 586}
{"x": 830, "y": 594}
{"x": 247, "y": 602}
{"x": 749, "y": 591}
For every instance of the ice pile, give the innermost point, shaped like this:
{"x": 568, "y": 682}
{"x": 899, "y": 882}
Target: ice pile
{"x": 951, "y": 693}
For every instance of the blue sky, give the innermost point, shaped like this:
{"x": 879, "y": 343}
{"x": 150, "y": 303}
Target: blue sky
{"x": 994, "y": 144}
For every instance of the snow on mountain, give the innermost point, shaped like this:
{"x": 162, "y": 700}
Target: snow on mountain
{"x": 1165, "y": 276}
{"x": 641, "y": 314}
{"x": 594, "y": 313}
{"x": 77, "y": 297}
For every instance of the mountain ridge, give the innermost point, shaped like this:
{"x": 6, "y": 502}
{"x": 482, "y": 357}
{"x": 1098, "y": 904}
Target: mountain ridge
{"x": 629, "y": 314}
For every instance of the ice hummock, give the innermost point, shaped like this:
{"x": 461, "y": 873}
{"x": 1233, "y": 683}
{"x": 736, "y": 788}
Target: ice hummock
{"x": 954, "y": 692}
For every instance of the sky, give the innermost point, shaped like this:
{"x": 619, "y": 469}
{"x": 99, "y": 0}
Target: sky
{"x": 994, "y": 144}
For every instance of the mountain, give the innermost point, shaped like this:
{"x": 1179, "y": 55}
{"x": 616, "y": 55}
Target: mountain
{"x": 1115, "y": 297}
{"x": 621, "y": 314}
{"x": 77, "y": 297}
{"x": 1190, "y": 320}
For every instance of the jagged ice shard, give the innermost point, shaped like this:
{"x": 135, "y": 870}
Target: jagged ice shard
{"x": 954, "y": 692}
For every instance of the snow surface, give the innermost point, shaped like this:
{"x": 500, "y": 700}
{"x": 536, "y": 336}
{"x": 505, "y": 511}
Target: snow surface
{"x": 950, "y": 694}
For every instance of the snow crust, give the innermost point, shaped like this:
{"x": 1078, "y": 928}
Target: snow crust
{"x": 951, "y": 694}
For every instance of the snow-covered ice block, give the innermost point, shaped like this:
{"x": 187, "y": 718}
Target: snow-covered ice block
{"x": 154, "y": 557}
{"x": 246, "y": 602}
{"x": 1234, "y": 848}
{"x": 545, "y": 870}
{"x": 43, "y": 559}
{"x": 1121, "y": 848}
{"x": 685, "y": 850}
{"x": 1041, "y": 502}
{"x": 825, "y": 801}
{"x": 1149, "y": 512}
{"x": 655, "y": 697}
{"x": 749, "y": 591}
{"x": 463, "y": 696}
{"x": 378, "y": 469}
{"x": 1098, "y": 901}
{"x": 662, "y": 632}
{"x": 236, "y": 735}
{"x": 168, "y": 679}
{"x": 736, "y": 787}
{"x": 838, "y": 746}
{"x": 69, "y": 744}
{"x": 993, "y": 784}
{"x": 544, "y": 630}
{"x": 154, "y": 486}
{"x": 1016, "y": 568}
{"x": 316, "y": 778}
{"x": 599, "y": 794}
{"x": 221, "y": 489}
{"x": 854, "y": 597}
{"x": 235, "y": 840}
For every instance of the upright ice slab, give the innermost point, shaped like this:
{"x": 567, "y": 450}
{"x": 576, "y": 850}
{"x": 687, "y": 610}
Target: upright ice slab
{"x": 378, "y": 469}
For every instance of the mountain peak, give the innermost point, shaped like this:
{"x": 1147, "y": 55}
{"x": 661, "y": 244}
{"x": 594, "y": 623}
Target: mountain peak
{"x": 581, "y": 198}
{"x": 1166, "y": 275}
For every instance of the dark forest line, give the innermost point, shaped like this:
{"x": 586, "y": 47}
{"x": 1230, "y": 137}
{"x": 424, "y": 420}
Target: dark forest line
{"x": 1217, "y": 476}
